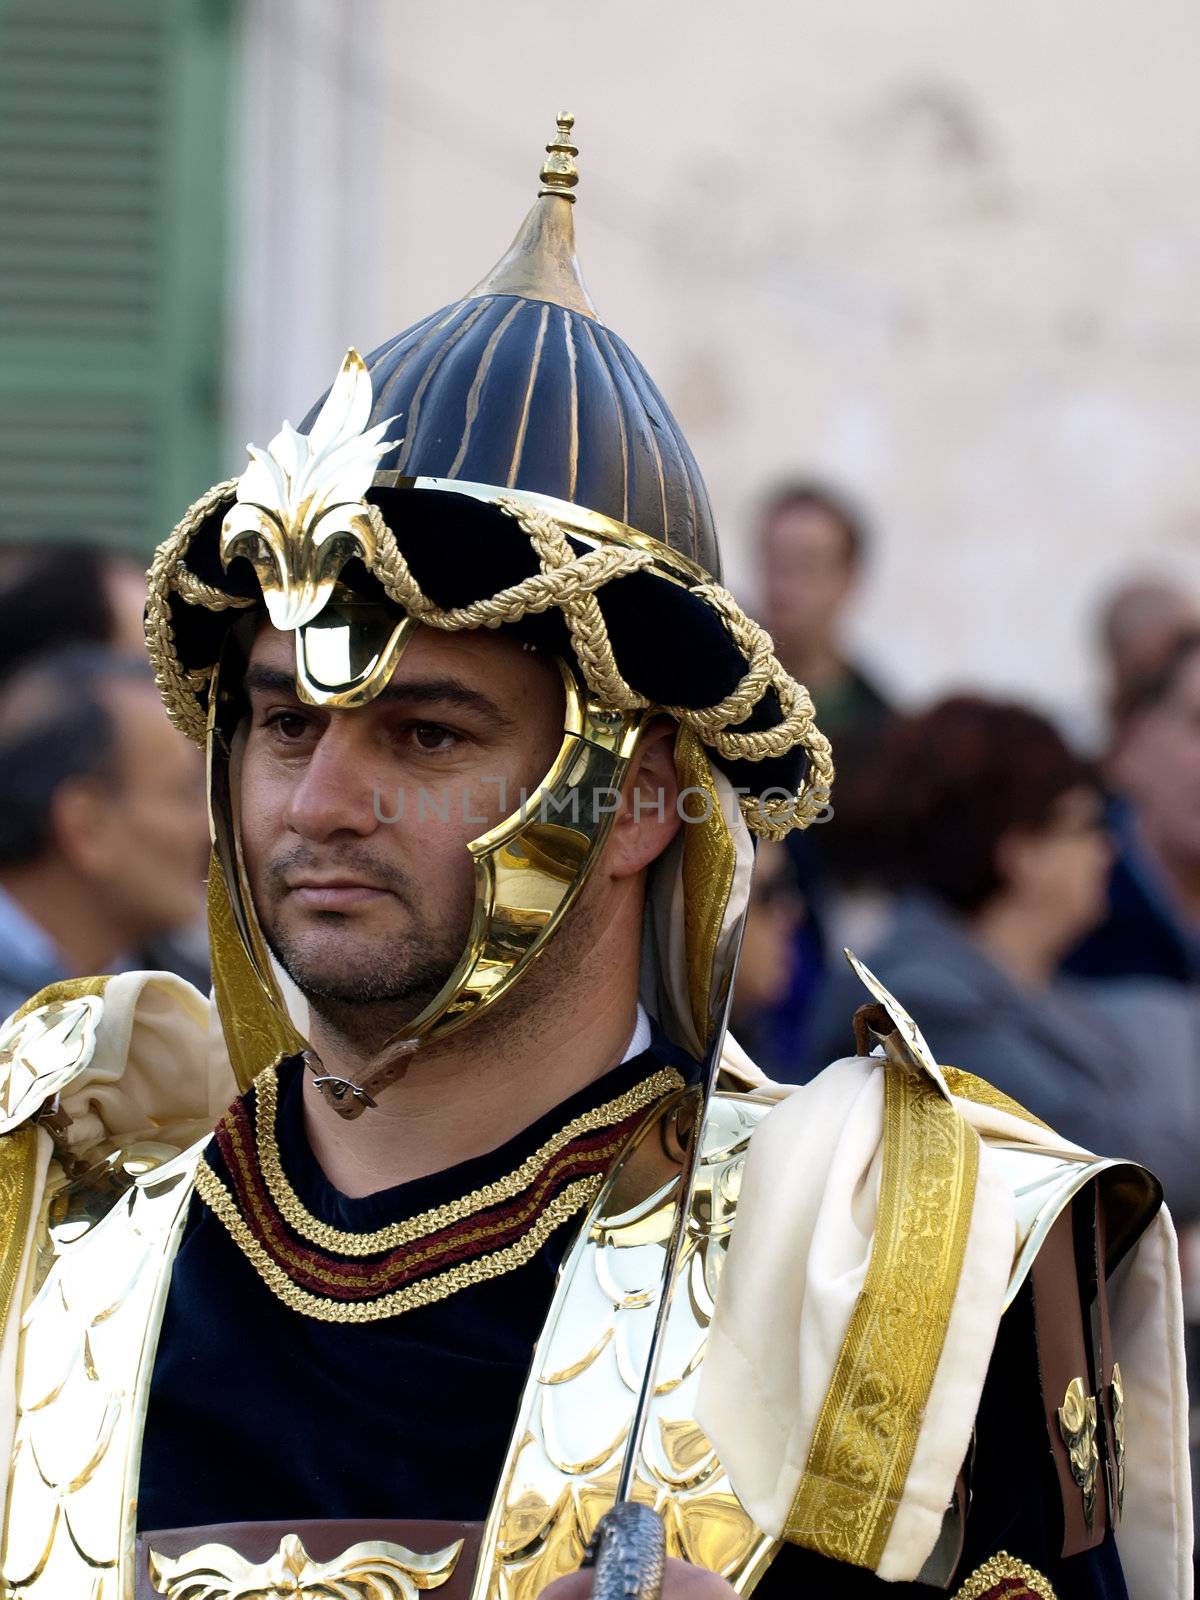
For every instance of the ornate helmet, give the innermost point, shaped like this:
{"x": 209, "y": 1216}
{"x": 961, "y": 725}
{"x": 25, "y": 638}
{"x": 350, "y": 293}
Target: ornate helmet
{"x": 504, "y": 463}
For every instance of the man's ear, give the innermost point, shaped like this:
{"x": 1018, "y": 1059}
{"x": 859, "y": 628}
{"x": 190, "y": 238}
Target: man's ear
{"x": 649, "y": 818}
{"x": 79, "y": 817}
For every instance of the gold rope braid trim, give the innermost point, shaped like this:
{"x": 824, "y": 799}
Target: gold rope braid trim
{"x": 396, "y": 1234}
{"x": 983, "y": 1581}
{"x": 430, "y": 1290}
{"x": 179, "y": 688}
{"x": 867, "y": 1431}
{"x": 379, "y": 1278}
{"x": 18, "y": 1169}
{"x": 565, "y": 578}
{"x": 560, "y": 582}
{"x": 198, "y": 593}
{"x": 568, "y": 581}
{"x": 968, "y": 1087}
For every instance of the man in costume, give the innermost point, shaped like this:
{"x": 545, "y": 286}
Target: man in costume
{"x": 488, "y": 745}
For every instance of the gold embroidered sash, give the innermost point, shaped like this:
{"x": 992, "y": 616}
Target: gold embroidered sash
{"x": 867, "y": 1429}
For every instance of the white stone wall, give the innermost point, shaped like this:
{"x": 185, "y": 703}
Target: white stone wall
{"x": 949, "y": 253}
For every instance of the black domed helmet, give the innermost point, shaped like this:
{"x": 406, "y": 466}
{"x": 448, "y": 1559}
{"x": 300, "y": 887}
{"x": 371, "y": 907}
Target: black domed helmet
{"x": 506, "y": 463}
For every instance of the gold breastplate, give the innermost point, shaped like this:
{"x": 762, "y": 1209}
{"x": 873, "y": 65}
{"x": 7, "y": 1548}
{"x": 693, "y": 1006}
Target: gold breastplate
{"x": 88, "y": 1338}
{"x": 89, "y": 1334}
{"x": 574, "y": 1417}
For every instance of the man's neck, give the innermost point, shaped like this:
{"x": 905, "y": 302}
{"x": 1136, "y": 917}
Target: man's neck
{"x": 68, "y": 912}
{"x": 482, "y": 1086}
{"x": 815, "y": 663}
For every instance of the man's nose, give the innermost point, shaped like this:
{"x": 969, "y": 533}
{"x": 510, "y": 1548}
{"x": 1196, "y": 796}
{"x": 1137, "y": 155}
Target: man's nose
{"x": 336, "y": 792}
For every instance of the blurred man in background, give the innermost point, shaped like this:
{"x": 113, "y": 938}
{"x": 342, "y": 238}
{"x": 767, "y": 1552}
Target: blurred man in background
{"x": 1153, "y": 925}
{"x": 812, "y": 544}
{"x": 103, "y": 835}
{"x": 1139, "y": 625}
{"x": 55, "y": 594}
{"x": 994, "y": 834}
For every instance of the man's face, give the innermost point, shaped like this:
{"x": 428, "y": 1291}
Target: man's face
{"x": 154, "y": 823}
{"x": 807, "y": 576}
{"x": 1158, "y": 766}
{"x": 361, "y": 910}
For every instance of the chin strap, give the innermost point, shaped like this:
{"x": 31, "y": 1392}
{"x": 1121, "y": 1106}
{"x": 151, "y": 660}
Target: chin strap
{"x": 350, "y": 1099}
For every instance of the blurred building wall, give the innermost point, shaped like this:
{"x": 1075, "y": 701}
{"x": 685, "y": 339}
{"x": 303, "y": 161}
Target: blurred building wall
{"x": 113, "y": 187}
{"x": 949, "y": 254}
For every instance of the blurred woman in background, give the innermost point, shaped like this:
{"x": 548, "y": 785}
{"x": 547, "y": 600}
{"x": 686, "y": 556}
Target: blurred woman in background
{"x": 993, "y": 835}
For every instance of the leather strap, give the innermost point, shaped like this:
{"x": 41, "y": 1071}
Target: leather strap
{"x": 1064, "y": 1352}
{"x": 1104, "y": 1364}
{"x": 351, "y": 1097}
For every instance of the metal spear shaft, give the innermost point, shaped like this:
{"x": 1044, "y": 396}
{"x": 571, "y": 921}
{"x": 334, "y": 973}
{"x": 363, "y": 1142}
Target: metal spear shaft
{"x": 628, "y": 1546}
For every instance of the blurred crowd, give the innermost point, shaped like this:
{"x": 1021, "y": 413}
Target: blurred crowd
{"x": 1035, "y": 907}
{"x": 103, "y": 829}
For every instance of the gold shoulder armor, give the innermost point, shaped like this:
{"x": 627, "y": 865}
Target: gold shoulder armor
{"x": 1044, "y": 1182}
{"x": 45, "y": 1045}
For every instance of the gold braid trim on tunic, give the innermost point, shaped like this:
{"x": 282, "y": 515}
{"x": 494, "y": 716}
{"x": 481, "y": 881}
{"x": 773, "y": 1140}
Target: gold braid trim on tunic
{"x": 429, "y": 1290}
{"x": 272, "y": 1264}
{"x": 994, "y": 1580}
{"x": 395, "y": 1234}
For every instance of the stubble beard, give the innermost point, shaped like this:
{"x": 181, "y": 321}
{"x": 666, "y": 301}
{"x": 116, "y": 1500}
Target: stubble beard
{"x": 372, "y": 999}
{"x": 372, "y": 991}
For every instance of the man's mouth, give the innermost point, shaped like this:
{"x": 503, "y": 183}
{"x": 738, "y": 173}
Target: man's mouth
{"x": 335, "y": 894}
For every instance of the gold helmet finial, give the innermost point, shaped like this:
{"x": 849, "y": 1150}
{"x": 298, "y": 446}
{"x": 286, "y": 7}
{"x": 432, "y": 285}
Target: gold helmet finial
{"x": 540, "y": 263}
{"x": 559, "y": 174}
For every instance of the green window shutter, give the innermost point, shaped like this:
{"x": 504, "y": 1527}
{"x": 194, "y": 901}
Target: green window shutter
{"x": 112, "y": 202}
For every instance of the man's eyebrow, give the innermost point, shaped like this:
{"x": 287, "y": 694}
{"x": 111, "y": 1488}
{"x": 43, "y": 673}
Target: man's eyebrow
{"x": 444, "y": 691}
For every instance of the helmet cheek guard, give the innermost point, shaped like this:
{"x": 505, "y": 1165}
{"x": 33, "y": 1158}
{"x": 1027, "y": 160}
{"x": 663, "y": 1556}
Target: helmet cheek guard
{"x": 528, "y": 869}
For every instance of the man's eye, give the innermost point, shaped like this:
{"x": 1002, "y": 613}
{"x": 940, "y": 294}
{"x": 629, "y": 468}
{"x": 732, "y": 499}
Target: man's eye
{"x": 288, "y": 725}
{"x": 432, "y": 737}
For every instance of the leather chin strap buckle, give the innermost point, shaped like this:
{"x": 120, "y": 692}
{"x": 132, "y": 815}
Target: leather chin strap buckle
{"x": 350, "y": 1099}
{"x": 336, "y": 1089}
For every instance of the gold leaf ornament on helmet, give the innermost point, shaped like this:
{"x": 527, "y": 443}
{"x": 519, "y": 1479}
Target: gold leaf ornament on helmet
{"x": 300, "y": 512}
